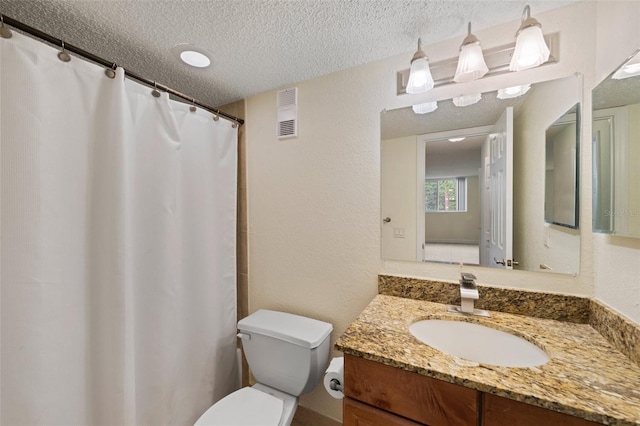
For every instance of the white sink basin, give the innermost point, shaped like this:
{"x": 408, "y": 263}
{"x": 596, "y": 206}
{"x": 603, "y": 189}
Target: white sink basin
{"x": 475, "y": 342}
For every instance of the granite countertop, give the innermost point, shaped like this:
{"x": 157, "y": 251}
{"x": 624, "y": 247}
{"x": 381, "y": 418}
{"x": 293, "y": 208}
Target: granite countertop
{"x": 585, "y": 377}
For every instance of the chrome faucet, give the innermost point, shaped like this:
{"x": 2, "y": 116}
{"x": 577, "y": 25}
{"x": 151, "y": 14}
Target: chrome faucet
{"x": 468, "y": 294}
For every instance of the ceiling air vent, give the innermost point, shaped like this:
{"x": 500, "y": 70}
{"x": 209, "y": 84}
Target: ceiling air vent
{"x": 287, "y": 113}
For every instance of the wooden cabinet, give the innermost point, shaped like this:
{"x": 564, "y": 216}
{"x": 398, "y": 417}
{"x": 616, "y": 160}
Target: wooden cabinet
{"x": 359, "y": 414}
{"x": 410, "y": 395}
{"x": 381, "y": 395}
{"x": 498, "y": 411}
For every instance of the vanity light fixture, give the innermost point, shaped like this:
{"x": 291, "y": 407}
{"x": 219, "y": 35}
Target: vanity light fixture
{"x": 471, "y": 64}
{"x": 630, "y": 69}
{"x": 192, "y": 55}
{"x": 497, "y": 60}
{"x": 420, "y": 79}
{"x": 457, "y": 139}
{"x": 466, "y": 100}
{"x": 425, "y": 108}
{"x": 531, "y": 49}
{"x": 513, "y": 92}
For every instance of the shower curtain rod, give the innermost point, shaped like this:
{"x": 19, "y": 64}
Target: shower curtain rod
{"x": 110, "y": 65}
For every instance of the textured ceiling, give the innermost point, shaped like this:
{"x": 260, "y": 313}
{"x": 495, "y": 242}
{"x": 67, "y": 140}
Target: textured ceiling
{"x": 257, "y": 45}
{"x": 614, "y": 93}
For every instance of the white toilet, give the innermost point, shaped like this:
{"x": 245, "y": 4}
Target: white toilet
{"x": 288, "y": 355}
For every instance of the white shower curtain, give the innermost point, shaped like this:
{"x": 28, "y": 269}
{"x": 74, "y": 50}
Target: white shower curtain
{"x": 118, "y": 212}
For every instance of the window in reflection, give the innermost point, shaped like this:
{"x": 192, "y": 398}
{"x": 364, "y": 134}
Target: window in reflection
{"x": 445, "y": 195}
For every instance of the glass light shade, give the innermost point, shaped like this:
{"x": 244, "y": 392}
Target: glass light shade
{"x": 513, "y": 92}
{"x": 466, "y": 100}
{"x": 425, "y": 108}
{"x": 531, "y": 49}
{"x": 630, "y": 69}
{"x": 420, "y": 79}
{"x": 471, "y": 64}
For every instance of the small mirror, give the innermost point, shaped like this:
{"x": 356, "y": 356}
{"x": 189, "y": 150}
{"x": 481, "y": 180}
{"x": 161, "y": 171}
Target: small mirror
{"x": 616, "y": 151}
{"x": 561, "y": 172}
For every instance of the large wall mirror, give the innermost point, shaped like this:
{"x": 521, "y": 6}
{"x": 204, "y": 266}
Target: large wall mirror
{"x": 616, "y": 151}
{"x": 493, "y": 183}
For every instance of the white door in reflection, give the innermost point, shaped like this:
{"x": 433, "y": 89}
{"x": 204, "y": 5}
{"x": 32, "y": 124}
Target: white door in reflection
{"x": 500, "y": 206}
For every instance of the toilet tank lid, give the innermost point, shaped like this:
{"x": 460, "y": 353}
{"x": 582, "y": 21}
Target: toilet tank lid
{"x": 291, "y": 328}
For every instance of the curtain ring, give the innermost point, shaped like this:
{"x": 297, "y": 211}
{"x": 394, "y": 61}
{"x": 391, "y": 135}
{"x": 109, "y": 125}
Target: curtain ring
{"x": 4, "y": 31}
{"x": 234, "y": 125}
{"x": 155, "y": 92}
{"x": 111, "y": 72}
{"x": 193, "y": 108}
{"x": 216, "y": 117}
{"x": 63, "y": 55}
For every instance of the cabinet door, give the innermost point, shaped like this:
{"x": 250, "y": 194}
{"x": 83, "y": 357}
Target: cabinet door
{"x": 359, "y": 414}
{"x": 411, "y": 395}
{"x": 499, "y": 411}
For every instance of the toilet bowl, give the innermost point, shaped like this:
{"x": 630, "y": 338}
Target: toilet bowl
{"x": 287, "y": 355}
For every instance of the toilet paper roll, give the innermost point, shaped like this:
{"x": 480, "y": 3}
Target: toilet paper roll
{"x": 335, "y": 371}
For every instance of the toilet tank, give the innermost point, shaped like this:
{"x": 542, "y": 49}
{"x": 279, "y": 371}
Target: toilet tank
{"x": 285, "y": 351}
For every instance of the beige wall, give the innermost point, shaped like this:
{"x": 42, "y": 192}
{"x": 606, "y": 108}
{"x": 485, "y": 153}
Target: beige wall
{"x": 314, "y": 201}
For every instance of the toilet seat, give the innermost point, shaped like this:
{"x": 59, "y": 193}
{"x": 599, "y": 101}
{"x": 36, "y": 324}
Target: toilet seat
{"x": 245, "y": 407}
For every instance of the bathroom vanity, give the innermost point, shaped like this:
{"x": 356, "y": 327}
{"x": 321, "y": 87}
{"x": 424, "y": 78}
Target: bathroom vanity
{"x": 391, "y": 378}
{"x": 404, "y": 395}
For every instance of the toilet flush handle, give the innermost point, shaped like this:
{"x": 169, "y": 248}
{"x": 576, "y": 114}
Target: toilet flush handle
{"x": 244, "y": 336}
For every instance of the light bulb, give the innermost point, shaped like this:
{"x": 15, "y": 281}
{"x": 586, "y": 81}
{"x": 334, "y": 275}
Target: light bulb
{"x": 420, "y": 79}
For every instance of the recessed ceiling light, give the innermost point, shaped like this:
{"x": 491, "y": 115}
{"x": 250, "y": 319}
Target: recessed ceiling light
{"x": 192, "y": 55}
{"x": 195, "y": 59}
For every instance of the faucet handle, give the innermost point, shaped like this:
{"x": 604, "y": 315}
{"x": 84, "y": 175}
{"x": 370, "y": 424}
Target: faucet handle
{"x": 467, "y": 277}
